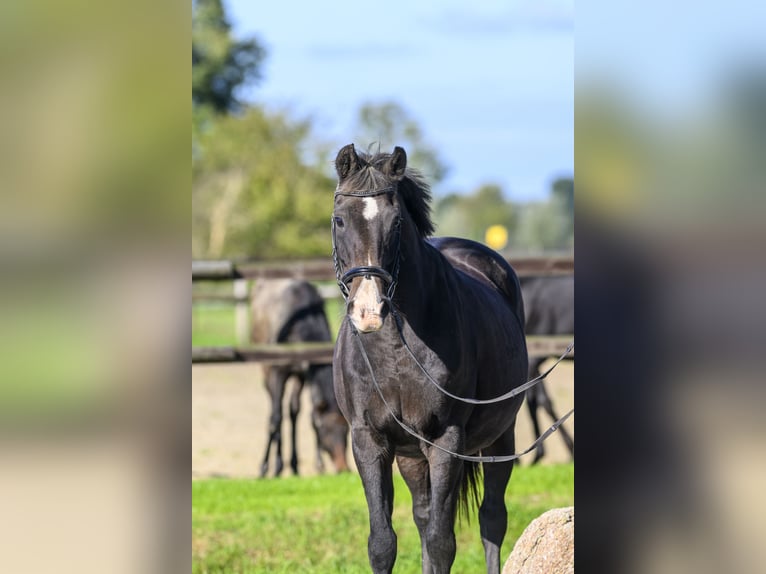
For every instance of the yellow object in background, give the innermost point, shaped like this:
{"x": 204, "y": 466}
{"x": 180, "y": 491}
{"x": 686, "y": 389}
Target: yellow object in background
{"x": 496, "y": 236}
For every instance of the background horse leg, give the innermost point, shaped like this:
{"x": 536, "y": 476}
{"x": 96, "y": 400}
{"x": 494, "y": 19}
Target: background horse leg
{"x": 545, "y": 401}
{"x": 415, "y": 474}
{"x": 295, "y": 407}
{"x": 275, "y": 385}
{"x": 319, "y": 461}
{"x": 445, "y": 473}
{"x": 493, "y": 516}
{"x": 533, "y": 404}
{"x": 374, "y": 463}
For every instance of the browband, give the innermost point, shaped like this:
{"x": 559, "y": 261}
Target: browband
{"x": 363, "y": 193}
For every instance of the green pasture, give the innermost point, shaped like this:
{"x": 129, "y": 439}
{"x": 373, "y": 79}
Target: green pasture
{"x": 213, "y": 325}
{"x": 320, "y": 524}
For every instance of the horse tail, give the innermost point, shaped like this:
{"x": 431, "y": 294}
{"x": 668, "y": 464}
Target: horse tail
{"x": 468, "y": 499}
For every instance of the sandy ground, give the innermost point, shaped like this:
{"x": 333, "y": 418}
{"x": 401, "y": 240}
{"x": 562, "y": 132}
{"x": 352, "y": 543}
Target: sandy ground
{"x": 230, "y": 410}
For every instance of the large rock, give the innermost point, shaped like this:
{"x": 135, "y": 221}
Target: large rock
{"x": 546, "y": 546}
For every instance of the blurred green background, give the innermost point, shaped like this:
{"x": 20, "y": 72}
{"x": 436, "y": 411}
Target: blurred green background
{"x": 262, "y": 179}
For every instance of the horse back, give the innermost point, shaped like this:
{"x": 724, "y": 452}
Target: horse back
{"x": 549, "y": 304}
{"x": 287, "y": 310}
{"x": 485, "y": 265}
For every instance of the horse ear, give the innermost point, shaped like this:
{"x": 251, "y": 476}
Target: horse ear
{"x": 347, "y": 161}
{"x": 397, "y": 163}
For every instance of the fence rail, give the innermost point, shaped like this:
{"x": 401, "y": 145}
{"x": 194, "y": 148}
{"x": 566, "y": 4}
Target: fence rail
{"x": 321, "y": 353}
{"x": 322, "y": 269}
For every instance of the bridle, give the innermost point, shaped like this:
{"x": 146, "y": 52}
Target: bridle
{"x": 390, "y": 280}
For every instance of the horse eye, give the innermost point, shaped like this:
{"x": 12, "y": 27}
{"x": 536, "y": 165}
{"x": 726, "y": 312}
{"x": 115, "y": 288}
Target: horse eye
{"x": 338, "y": 221}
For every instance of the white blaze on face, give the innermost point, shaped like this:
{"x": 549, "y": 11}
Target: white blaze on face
{"x": 370, "y": 208}
{"x": 367, "y": 302}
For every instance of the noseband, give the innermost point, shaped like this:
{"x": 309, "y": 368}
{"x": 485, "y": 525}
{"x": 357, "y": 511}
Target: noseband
{"x": 367, "y": 271}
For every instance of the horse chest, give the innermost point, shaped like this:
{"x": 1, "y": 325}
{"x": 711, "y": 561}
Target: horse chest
{"x": 396, "y": 384}
{"x": 410, "y": 399}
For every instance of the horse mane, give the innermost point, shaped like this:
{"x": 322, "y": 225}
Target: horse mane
{"x": 413, "y": 188}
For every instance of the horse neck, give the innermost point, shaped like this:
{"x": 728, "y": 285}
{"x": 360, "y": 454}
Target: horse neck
{"x": 420, "y": 273}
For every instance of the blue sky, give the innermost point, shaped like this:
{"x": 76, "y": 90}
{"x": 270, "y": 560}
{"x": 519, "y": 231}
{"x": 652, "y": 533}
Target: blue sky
{"x": 489, "y": 82}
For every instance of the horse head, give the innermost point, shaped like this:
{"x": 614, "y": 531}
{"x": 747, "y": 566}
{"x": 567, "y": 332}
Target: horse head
{"x": 366, "y": 224}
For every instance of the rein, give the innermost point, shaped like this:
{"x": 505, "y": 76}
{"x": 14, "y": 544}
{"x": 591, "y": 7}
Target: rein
{"x": 517, "y": 391}
{"x": 466, "y": 457}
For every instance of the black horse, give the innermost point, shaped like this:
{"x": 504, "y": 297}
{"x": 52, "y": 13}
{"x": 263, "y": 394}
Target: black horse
{"x": 424, "y": 317}
{"x": 293, "y": 311}
{"x": 549, "y": 307}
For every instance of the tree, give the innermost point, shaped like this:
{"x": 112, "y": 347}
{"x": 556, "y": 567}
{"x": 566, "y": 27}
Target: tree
{"x": 562, "y": 196}
{"x": 387, "y": 125}
{"x": 534, "y": 226}
{"x": 470, "y": 215}
{"x": 220, "y": 64}
{"x": 562, "y": 190}
{"x": 549, "y": 225}
{"x": 253, "y": 195}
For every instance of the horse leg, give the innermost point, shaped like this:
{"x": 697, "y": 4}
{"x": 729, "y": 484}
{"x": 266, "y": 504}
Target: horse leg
{"x": 319, "y": 461}
{"x": 374, "y": 461}
{"x": 547, "y": 405}
{"x": 493, "y": 516}
{"x": 295, "y": 406}
{"x": 275, "y": 385}
{"x": 445, "y": 472}
{"x": 415, "y": 474}
{"x": 533, "y": 404}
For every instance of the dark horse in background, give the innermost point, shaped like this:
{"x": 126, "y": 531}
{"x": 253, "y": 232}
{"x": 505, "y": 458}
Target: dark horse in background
{"x": 292, "y": 311}
{"x": 447, "y": 307}
{"x": 549, "y": 307}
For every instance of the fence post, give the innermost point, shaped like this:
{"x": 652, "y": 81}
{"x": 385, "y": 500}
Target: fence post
{"x": 241, "y": 311}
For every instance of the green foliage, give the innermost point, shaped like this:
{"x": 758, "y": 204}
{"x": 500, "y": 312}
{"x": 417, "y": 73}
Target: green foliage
{"x": 470, "y": 215}
{"x": 320, "y": 524}
{"x": 220, "y": 64}
{"x": 388, "y": 124}
{"x": 261, "y": 186}
{"x": 549, "y": 225}
{"x": 543, "y": 227}
{"x": 253, "y": 194}
{"x": 534, "y": 226}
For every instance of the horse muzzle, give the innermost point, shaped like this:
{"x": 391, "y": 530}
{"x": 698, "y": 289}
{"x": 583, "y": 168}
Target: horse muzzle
{"x": 366, "y": 307}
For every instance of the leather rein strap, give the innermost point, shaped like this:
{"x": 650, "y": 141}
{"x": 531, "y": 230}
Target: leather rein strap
{"x": 466, "y": 457}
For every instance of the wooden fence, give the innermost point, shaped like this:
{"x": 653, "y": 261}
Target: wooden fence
{"x": 321, "y": 353}
{"x": 322, "y": 270}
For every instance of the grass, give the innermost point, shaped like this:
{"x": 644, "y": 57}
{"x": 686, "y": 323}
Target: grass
{"x": 213, "y": 325}
{"x": 320, "y": 524}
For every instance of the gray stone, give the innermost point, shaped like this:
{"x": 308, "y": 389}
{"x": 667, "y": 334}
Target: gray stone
{"x": 546, "y": 546}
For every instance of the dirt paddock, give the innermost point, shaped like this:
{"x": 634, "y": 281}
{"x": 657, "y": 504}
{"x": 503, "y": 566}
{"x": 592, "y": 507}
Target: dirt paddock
{"x": 230, "y": 410}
